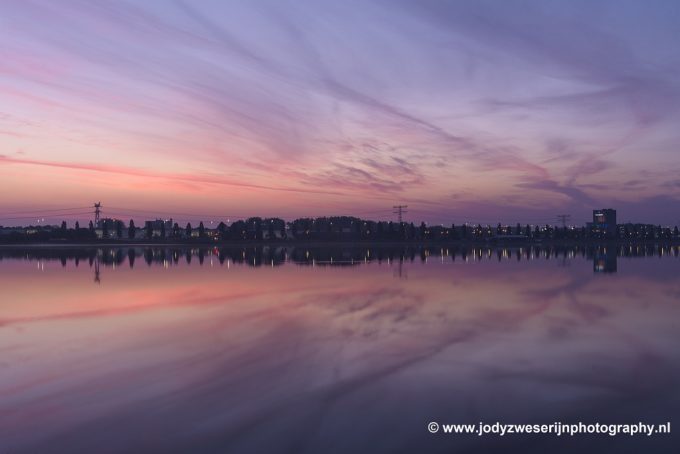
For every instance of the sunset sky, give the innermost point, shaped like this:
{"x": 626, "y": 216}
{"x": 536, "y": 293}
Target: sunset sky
{"x": 465, "y": 111}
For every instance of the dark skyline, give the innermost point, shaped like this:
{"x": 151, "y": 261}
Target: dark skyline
{"x": 603, "y": 227}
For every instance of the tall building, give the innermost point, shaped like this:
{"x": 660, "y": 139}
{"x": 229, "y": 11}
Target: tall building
{"x": 604, "y": 222}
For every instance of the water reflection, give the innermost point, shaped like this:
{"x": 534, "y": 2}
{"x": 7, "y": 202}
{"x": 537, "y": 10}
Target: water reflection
{"x": 604, "y": 262}
{"x": 604, "y": 258}
{"x": 333, "y": 350}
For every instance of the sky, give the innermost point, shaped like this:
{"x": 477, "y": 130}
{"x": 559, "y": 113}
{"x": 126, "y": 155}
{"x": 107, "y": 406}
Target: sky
{"x": 466, "y": 111}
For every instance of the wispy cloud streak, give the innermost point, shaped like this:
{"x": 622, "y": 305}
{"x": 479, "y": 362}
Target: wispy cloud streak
{"x": 383, "y": 101}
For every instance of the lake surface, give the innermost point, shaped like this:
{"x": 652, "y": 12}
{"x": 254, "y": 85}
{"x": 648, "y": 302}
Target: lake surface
{"x": 335, "y": 350}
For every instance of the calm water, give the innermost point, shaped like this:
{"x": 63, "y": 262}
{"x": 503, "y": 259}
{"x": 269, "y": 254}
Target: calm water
{"x": 334, "y": 350}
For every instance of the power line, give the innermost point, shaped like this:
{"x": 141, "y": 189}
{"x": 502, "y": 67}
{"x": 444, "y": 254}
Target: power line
{"x": 50, "y": 210}
{"x": 398, "y": 210}
{"x": 117, "y": 210}
{"x": 174, "y": 214}
{"x": 38, "y": 216}
{"x": 156, "y": 212}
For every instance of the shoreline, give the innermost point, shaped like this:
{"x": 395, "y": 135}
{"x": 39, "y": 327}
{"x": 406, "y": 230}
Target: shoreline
{"x": 348, "y": 243}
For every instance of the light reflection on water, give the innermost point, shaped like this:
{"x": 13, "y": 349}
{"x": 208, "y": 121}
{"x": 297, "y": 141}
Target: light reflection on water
{"x": 332, "y": 349}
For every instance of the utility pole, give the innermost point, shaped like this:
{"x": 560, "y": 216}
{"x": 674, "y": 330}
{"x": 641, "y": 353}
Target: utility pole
{"x": 97, "y": 213}
{"x": 563, "y": 219}
{"x": 399, "y": 210}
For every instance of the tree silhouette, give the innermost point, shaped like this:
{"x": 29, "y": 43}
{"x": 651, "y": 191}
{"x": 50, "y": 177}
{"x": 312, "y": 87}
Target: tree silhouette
{"x": 131, "y": 254}
{"x": 222, "y": 230}
{"x": 270, "y": 230}
{"x": 119, "y": 229}
{"x": 132, "y": 231}
{"x": 201, "y": 230}
{"x": 188, "y": 230}
{"x": 76, "y": 231}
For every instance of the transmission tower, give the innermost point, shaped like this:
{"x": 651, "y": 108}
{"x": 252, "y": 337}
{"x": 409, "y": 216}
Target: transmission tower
{"x": 399, "y": 210}
{"x": 97, "y": 213}
{"x": 563, "y": 219}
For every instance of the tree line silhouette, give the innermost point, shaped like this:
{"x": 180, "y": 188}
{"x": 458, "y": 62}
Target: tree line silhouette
{"x": 339, "y": 228}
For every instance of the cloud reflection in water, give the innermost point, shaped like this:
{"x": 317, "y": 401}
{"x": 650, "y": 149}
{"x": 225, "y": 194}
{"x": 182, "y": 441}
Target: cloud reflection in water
{"x": 219, "y": 358}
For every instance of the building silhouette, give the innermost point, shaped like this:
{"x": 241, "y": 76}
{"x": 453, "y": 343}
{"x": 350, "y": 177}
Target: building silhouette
{"x": 604, "y": 223}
